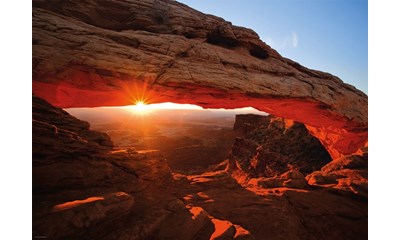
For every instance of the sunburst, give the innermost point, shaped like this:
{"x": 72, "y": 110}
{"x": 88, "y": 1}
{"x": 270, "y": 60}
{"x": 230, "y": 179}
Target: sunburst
{"x": 141, "y": 107}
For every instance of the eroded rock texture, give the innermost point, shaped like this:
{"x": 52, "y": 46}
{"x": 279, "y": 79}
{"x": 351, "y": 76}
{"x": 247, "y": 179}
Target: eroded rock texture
{"x": 349, "y": 173}
{"x": 108, "y": 52}
{"x": 279, "y": 212}
{"x": 271, "y": 146}
{"x": 84, "y": 188}
{"x": 88, "y": 189}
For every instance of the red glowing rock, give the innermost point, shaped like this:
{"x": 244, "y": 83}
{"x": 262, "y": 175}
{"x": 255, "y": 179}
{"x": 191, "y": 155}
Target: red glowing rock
{"x": 166, "y": 51}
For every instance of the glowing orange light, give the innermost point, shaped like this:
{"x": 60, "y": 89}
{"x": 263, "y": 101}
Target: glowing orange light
{"x": 141, "y": 107}
{"x": 76, "y": 203}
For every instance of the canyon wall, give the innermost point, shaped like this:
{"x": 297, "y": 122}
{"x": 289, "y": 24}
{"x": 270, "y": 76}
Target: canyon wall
{"x": 275, "y": 152}
{"x": 86, "y": 188}
{"x": 82, "y": 185}
{"x": 270, "y": 146}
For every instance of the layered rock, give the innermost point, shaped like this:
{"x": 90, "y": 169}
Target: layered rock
{"x": 349, "y": 173}
{"x": 84, "y": 188}
{"x": 108, "y": 53}
{"x": 271, "y": 146}
{"x": 74, "y": 218}
{"x": 281, "y": 212}
{"x": 82, "y": 185}
{"x": 290, "y": 179}
{"x": 198, "y": 224}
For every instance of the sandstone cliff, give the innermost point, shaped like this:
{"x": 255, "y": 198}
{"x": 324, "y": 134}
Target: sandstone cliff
{"x": 84, "y": 188}
{"x": 108, "y": 52}
{"x": 271, "y": 146}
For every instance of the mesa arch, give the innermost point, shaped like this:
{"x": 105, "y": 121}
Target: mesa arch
{"x": 107, "y": 53}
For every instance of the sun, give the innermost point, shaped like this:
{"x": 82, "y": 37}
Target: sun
{"x": 140, "y": 107}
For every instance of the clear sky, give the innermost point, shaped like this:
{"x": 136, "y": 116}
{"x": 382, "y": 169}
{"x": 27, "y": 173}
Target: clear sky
{"x": 327, "y": 35}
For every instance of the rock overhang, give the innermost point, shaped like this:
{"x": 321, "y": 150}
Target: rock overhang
{"x": 166, "y": 51}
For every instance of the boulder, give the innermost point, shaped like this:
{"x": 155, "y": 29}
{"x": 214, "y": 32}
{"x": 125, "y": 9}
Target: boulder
{"x": 348, "y": 173}
{"x": 70, "y": 219}
{"x": 224, "y": 230}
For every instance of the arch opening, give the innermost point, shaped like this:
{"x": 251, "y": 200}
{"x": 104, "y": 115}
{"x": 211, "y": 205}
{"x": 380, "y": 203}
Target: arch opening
{"x": 89, "y": 54}
{"x": 195, "y": 140}
{"x": 339, "y": 134}
{"x": 219, "y": 66}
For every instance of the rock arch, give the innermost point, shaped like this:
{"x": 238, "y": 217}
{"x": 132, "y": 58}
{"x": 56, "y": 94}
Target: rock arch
{"x": 108, "y": 53}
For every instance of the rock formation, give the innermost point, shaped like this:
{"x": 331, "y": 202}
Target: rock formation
{"x": 271, "y": 146}
{"x": 80, "y": 181}
{"x": 275, "y": 152}
{"x": 107, "y": 53}
{"x": 110, "y": 53}
{"x": 85, "y": 188}
{"x": 290, "y": 179}
{"x": 278, "y": 212}
{"x": 349, "y": 173}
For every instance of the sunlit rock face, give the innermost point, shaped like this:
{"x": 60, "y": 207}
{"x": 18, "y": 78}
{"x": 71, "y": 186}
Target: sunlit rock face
{"x": 108, "y": 52}
{"x": 348, "y": 173}
{"x": 84, "y": 188}
{"x": 88, "y": 189}
{"x": 81, "y": 184}
{"x": 271, "y": 146}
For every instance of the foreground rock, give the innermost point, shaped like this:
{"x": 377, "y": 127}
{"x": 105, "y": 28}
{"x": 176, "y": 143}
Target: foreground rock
{"x": 74, "y": 218}
{"x": 87, "y": 189}
{"x": 85, "y": 52}
{"x": 82, "y": 186}
{"x": 276, "y": 213}
{"x": 290, "y": 179}
{"x": 349, "y": 173}
{"x": 271, "y": 146}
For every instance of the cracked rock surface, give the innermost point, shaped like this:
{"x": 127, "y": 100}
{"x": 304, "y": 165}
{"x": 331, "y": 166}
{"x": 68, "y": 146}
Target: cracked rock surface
{"x": 107, "y": 53}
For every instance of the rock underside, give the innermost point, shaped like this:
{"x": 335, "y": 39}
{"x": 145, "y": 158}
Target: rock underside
{"x": 84, "y": 188}
{"x": 111, "y": 53}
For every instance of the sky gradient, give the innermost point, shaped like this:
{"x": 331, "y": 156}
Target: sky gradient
{"x": 327, "y": 35}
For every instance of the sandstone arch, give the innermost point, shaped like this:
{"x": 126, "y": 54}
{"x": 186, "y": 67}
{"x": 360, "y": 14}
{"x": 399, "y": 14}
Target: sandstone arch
{"x": 107, "y": 53}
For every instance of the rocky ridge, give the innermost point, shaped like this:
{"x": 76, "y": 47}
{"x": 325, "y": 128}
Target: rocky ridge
{"x": 271, "y": 146}
{"x": 274, "y": 152}
{"x": 85, "y": 188}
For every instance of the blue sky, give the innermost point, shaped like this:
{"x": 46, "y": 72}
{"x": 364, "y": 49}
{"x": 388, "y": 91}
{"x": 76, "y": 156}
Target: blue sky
{"x": 327, "y": 35}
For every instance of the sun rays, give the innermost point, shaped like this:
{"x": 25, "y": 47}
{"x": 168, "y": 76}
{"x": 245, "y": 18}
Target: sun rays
{"x": 141, "y": 107}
